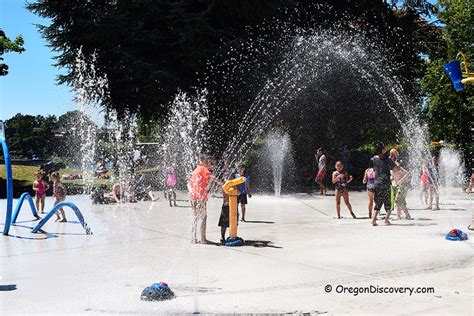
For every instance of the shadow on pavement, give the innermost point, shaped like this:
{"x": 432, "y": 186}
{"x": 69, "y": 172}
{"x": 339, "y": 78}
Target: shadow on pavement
{"x": 260, "y": 244}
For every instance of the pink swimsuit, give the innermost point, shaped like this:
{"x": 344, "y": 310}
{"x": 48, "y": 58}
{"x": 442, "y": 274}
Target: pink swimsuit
{"x": 171, "y": 179}
{"x": 40, "y": 188}
{"x": 425, "y": 177}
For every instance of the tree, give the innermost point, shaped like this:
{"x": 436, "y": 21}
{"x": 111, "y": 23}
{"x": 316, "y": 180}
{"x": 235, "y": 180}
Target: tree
{"x": 7, "y": 45}
{"x": 148, "y": 49}
{"x": 28, "y": 135}
{"x": 72, "y": 129}
{"x": 450, "y": 112}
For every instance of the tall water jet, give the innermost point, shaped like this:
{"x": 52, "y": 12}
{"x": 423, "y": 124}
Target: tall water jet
{"x": 449, "y": 163}
{"x": 90, "y": 90}
{"x": 182, "y": 138}
{"x": 305, "y": 58}
{"x": 278, "y": 153}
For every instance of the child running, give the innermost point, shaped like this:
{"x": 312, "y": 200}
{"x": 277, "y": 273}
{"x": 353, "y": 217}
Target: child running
{"x": 341, "y": 178}
{"x": 40, "y": 187}
{"x": 369, "y": 179}
{"x": 59, "y": 192}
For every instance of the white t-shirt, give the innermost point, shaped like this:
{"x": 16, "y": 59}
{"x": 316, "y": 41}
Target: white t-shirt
{"x": 322, "y": 162}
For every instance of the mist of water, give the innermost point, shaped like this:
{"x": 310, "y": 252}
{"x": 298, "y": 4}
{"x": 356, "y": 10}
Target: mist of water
{"x": 449, "y": 163}
{"x": 278, "y": 153}
{"x": 309, "y": 56}
{"x": 90, "y": 90}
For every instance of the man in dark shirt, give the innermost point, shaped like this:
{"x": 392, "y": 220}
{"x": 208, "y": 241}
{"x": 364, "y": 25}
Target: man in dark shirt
{"x": 382, "y": 166}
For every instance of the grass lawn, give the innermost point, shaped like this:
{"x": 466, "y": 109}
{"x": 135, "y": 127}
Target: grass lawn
{"x": 23, "y": 177}
{"x": 27, "y": 173}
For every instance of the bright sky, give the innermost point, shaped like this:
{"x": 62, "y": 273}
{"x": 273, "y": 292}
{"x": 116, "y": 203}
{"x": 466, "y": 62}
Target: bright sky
{"x": 29, "y": 87}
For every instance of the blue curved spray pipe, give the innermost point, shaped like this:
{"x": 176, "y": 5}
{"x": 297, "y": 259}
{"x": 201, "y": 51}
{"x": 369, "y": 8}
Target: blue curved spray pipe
{"x": 20, "y": 203}
{"x": 9, "y": 174}
{"x": 54, "y": 210}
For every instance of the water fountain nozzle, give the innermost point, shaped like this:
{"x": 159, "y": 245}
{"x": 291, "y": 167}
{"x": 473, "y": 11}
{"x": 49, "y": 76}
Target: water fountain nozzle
{"x": 230, "y": 188}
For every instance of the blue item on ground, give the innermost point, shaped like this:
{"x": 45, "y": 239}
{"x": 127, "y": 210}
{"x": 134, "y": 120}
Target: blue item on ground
{"x": 157, "y": 292}
{"x": 234, "y": 242}
{"x": 456, "y": 235}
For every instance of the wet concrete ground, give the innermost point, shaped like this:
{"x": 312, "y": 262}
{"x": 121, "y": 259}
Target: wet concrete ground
{"x": 297, "y": 251}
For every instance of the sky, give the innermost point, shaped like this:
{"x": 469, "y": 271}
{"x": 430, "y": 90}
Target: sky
{"x": 30, "y": 86}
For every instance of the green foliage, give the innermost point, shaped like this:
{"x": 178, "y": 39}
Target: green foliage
{"x": 367, "y": 148}
{"x": 450, "y": 112}
{"x": 28, "y": 135}
{"x": 147, "y": 130}
{"x": 47, "y": 137}
{"x": 71, "y": 133}
{"x": 7, "y": 45}
{"x": 148, "y": 49}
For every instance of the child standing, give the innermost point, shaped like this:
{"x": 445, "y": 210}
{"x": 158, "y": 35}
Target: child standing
{"x": 225, "y": 214}
{"x": 369, "y": 179}
{"x": 341, "y": 178}
{"x": 244, "y": 189}
{"x": 400, "y": 184}
{"x": 40, "y": 187}
{"x": 199, "y": 186}
{"x": 59, "y": 192}
{"x": 424, "y": 183}
{"x": 322, "y": 162}
{"x": 434, "y": 183}
{"x": 171, "y": 184}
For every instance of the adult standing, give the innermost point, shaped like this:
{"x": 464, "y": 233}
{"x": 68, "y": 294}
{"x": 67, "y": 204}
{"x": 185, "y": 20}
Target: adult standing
{"x": 382, "y": 167}
{"x": 322, "y": 169}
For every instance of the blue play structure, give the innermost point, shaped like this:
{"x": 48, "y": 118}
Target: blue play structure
{"x": 458, "y": 72}
{"x": 453, "y": 70}
{"x": 24, "y": 196}
{"x": 9, "y": 220}
{"x": 53, "y": 211}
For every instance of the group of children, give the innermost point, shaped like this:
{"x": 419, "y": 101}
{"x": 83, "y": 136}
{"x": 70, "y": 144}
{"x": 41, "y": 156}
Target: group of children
{"x": 387, "y": 184}
{"x": 40, "y": 186}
